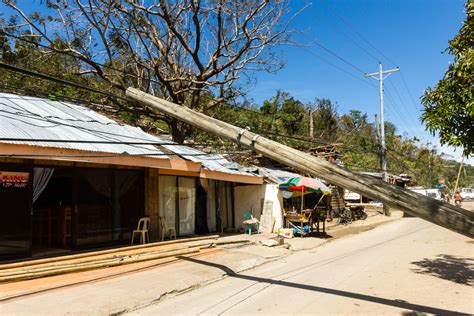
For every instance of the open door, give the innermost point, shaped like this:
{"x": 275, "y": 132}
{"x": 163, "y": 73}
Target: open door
{"x": 15, "y": 212}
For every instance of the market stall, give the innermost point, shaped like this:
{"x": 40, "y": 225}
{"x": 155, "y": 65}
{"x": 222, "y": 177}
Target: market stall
{"x": 304, "y": 220}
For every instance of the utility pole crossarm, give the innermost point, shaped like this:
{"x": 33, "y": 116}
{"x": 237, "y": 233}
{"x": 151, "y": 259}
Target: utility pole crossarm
{"x": 383, "y": 72}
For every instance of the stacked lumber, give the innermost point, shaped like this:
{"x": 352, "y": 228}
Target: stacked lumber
{"x": 106, "y": 258}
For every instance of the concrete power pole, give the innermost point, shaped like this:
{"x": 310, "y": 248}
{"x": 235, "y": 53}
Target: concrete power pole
{"x": 383, "y": 151}
{"x": 443, "y": 214}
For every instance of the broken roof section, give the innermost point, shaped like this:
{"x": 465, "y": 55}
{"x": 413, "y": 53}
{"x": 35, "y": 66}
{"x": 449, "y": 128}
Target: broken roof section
{"x": 81, "y": 134}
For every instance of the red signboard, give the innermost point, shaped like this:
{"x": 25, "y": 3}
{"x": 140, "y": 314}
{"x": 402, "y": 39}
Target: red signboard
{"x": 10, "y": 179}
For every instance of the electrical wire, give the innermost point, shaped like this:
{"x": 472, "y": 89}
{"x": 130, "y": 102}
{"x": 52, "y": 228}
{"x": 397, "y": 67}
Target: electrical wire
{"x": 352, "y": 28}
{"x": 62, "y": 81}
{"x": 403, "y": 103}
{"x": 339, "y": 68}
{"x": 338, "y": 57}
{"x": 75, "y": 56}
{"x": 124, "y": 155}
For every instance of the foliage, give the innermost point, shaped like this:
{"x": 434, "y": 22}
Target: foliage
{"x": 449, "y": 107}
{"x": 181, "y": 50}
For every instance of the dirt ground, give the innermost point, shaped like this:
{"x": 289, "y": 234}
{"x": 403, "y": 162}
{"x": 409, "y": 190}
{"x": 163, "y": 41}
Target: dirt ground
{"x": 468, "y": 205}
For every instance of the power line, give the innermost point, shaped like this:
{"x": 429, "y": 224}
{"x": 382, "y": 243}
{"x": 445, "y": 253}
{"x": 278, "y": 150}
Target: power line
{"x": 75, "y": 56}
{"x": 356, "y": 43}
{"x": 62, "y": 81}
{"x": 351, "y": 27}
{"x": 408, "y": 89}
{"x": 47, "y": 77}
{"x": 124, "y": 155}
{"x": 339, "y": 57}
{"x": 405, "y": 122}
{"x": 391, "y": 104}
{"x": 49, "y": 140}
{"x": 339, "y": 68}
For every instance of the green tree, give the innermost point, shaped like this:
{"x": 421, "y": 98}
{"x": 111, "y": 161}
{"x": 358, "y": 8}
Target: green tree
{"x": 291, "y": 114}
{"x": 449, "y": 107}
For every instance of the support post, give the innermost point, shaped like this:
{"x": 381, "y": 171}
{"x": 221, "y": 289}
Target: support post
{"x": 454, "y": 218}
{"x": 459, "y": 175}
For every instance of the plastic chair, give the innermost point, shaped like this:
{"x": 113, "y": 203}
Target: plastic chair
{"x": 165, "y": 229}
{"x": 250, "y": 224}
{"x": 142, "y": 230}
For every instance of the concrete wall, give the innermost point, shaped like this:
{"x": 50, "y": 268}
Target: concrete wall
{"x": 265, "y": 202}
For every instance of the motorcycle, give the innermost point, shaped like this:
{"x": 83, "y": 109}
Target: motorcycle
{"x": 348, "y": 215}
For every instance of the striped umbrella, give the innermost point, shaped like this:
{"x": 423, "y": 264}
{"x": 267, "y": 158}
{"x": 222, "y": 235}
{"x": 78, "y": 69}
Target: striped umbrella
{"x": 304, "y": 185}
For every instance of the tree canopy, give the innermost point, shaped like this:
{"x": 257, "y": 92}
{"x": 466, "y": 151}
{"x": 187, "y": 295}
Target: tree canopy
{"x": 449, "y": 107}
{"x": 181, "y": 50}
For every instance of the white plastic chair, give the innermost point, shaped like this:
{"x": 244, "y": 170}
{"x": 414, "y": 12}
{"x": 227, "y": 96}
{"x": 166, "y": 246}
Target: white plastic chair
{"x": 165, "y": 229}
{"x": 142, "y": 230}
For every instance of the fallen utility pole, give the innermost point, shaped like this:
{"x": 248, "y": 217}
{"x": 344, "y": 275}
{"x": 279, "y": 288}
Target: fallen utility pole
{"x": 437, "y": 212}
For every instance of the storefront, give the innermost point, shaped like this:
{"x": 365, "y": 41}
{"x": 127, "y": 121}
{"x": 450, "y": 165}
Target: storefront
{"x": 55, "y": 209}
{"x": 73, "y": 179}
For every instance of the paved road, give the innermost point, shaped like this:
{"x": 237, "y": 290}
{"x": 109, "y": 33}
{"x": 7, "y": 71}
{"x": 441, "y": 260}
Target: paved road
{"x": 408, "y": 267}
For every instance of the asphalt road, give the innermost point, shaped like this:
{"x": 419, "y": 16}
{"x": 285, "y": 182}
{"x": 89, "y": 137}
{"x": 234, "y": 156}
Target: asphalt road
{"x": 407, "y": 267}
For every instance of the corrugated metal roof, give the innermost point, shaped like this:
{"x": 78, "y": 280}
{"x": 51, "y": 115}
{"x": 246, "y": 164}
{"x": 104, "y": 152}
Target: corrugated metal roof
{"x": 34, "y": 118}
{"x": 214, "y": 162}
{"x": 276, "y": 175}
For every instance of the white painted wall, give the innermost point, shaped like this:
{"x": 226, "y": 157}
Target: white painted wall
{"x": 253, "y": 198}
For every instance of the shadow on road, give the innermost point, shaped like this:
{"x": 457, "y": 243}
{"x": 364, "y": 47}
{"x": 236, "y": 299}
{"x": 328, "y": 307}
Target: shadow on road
{"x": 396, "y": 303}
{"x": 455, "y": 269}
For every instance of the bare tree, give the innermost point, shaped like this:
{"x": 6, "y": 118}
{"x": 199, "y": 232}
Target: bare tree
{"x": 195, "y": 53}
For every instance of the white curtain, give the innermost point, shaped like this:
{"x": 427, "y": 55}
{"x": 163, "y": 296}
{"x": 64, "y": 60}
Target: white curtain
{"x": 41, "y": 178}
{"x": 187, "y": 204}
{"x": 167, "y": 199}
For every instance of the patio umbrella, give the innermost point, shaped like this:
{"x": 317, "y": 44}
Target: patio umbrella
{"x": 304, "y": 185}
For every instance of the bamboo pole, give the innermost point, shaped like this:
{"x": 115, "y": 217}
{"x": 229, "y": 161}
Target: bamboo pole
{"x": 437, "y": 212}
{"x": 102, "y": 252}
{"x": 111, "y": 263}
{"x": 94, "y": 261}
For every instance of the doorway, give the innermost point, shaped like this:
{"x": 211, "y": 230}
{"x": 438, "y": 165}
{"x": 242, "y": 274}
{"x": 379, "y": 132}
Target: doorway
{"x": 52, "y": 215}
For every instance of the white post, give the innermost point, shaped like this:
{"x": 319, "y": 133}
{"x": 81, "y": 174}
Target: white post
{"x": 382, "y": 128}
{"x": 383, "y": 147}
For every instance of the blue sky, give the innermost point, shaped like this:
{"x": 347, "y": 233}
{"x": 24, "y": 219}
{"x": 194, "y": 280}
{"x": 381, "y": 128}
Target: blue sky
{"x": 412, "y": 34}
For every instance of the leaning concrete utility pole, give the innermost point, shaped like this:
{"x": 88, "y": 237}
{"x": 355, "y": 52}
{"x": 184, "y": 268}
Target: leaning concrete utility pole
{"x": 443, "y": 214}
{"x": 383, "y": 147}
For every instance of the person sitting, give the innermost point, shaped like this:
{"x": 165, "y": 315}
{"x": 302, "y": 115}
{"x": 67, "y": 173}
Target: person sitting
{"x": 457, "y": 198}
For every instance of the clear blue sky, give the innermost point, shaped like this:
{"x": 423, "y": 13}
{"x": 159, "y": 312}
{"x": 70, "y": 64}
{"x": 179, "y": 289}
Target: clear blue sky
{"x": 411, "y": 33}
